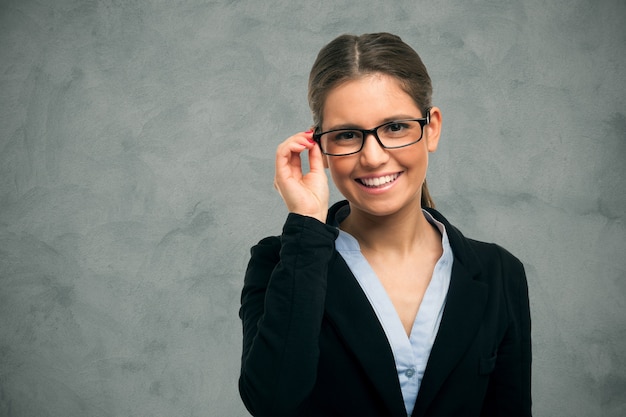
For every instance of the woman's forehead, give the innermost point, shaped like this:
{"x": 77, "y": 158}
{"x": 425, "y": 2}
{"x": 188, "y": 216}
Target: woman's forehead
{"x": 366, "y": 100}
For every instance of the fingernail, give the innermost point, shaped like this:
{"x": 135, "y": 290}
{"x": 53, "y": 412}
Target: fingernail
{"x": 309, "y": 131}
{"x": 310, "y": 140}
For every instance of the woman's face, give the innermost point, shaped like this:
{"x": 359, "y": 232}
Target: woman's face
{"x": 366, "y": 103}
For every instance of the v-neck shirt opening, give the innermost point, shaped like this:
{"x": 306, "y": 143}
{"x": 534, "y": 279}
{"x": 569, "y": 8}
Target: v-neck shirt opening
{"x": 410, "y": 352}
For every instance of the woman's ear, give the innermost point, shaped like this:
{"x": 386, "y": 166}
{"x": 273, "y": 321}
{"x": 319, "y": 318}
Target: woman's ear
{"x": 432, "y": 130}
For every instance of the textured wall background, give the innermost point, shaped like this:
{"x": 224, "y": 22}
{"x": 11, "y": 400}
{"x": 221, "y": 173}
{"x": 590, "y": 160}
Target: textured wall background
{"x": 136, "y": 168}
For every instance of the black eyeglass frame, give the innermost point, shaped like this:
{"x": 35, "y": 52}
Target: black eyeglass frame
{"x": 423, "y": 121}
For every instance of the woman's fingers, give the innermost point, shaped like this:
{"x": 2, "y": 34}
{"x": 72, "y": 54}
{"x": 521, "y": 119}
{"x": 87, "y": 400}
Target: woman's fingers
{"x": 303, "y": 194}
{"x": 288, "y": 160}
{"x": 316, "y": 159}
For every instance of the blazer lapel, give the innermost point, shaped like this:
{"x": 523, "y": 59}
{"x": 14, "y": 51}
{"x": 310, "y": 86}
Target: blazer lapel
{"x": 357, "y": 323}
{"x": 465, "y": 305}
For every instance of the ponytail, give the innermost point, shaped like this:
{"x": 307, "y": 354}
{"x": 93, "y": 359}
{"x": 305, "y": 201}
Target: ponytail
{"x": 427, "y": 200}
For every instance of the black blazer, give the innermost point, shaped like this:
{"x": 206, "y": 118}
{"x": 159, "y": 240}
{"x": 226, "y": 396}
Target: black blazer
{"x": 313, "y": 346}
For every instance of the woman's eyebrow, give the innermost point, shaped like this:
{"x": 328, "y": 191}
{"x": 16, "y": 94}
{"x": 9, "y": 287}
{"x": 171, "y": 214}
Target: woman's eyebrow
{"x": 381, "y": 122}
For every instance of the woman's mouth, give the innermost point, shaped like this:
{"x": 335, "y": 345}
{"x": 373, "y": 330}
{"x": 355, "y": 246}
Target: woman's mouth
{"x": 378, "y": 182}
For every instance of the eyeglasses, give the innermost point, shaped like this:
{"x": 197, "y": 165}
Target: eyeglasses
{"x": 390, "y": 135}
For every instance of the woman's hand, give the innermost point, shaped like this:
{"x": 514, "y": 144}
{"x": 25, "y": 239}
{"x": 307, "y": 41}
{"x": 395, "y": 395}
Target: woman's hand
{"x": 303, "y": 194}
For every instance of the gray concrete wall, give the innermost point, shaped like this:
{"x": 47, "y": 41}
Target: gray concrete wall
{"x": 136, "y": 168}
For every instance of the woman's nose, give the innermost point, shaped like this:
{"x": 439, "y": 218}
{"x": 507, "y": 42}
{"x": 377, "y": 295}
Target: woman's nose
{"x": 372, "y": 153}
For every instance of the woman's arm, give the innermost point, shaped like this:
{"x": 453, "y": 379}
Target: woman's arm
{"x": 282, "y": 306}
{"x": 282, "y": 302}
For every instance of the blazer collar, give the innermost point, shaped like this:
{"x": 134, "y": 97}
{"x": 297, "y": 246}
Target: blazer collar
{"x": 464, "y": 252}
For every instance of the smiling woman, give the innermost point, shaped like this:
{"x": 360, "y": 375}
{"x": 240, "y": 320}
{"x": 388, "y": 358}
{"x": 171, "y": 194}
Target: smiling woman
{"x": 377, "y": 306}
{"x": 378, "y": 98}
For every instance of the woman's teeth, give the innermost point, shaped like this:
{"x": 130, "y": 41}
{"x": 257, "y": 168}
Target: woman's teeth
{"x": 378, "y": 182}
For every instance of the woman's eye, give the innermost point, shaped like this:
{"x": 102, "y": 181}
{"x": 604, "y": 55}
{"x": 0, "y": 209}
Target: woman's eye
{"x": 396, "y": 127}
{"x": 396, "y": 130}
{"x": 346, "y": 135}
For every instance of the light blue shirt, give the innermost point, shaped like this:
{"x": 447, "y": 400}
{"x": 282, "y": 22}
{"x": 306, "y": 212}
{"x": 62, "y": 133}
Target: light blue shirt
{"x": 410, "y": 353}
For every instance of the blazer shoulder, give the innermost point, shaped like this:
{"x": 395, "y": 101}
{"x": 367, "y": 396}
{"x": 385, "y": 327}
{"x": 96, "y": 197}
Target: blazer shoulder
{"x": 492, "y": 249}
{"x": 488, "y": 253}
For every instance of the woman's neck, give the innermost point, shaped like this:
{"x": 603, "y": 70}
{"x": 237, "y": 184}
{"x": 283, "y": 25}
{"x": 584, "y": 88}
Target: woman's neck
{"x": 401, "y": 233}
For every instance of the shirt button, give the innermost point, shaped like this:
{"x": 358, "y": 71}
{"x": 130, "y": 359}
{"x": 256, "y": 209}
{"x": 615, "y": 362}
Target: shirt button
{"x": 409, "y": 373}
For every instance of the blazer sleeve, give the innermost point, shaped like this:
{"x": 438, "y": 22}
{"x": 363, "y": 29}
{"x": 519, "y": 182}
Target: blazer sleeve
{"x": 509, "y": 390}
{"x": 282, "y": 305}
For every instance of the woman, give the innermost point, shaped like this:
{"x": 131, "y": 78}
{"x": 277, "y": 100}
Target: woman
{"x": 377, "y": 306}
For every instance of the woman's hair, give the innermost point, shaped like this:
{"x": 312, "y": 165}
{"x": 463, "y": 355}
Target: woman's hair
{"x": 350, "y": 57}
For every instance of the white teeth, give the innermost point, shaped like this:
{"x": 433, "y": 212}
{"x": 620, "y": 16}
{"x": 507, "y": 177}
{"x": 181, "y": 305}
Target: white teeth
{"x": 377, "y": 182}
